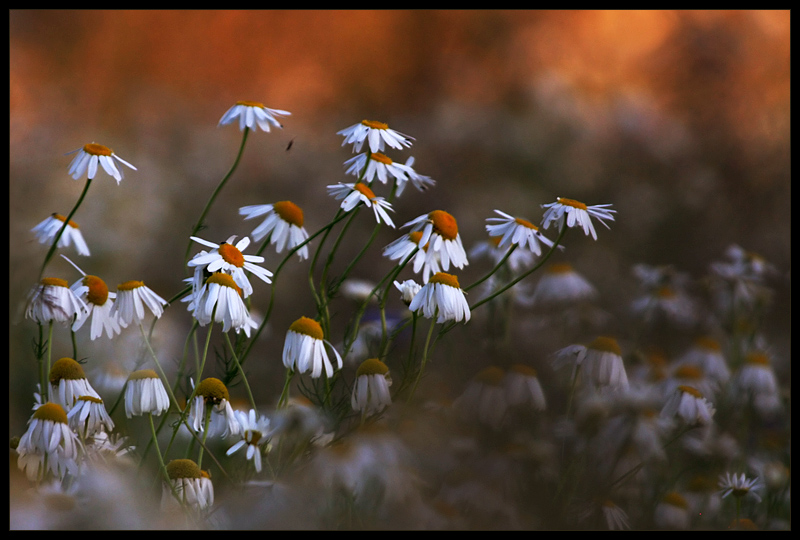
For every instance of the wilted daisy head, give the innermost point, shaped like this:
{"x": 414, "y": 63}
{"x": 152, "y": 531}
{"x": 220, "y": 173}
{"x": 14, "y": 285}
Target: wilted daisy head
{"x": 48, "y": 444}
{"x": 304, "y": 349}
{"x": 441, "y": 238}
{"x": 53, "y": 301}
{"x": 132, "y": 297}
{"x": 68, "y": 382}
{"x": 88, "y": 158}
{"x": 371, "y": 388}
{"x": 377, "y": 133}
{"x": 47, "y": 230}
{"x": 361, "y": 193}
{"x": 191, "y": 486}
{"x": 253, "y": 115}
{"x": 516, "y": 231}
{"x": 283, "y": 224}
{"x": 574, "y": 213}
{"x": 145, "y": 394}
{"x": 442, "y": 298}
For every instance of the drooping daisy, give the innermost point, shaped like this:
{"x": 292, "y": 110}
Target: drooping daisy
{"x": 361, "y": 193}
{"x": 440, "y": 234}
{"x": 672, "y": 512}
{"x": 382, "y": 167}
{"x": 420, "y": 181}
{"x": 740, "y": 486}
{"x": 132, "y": 297}
{"x": 522, "y": 387}
{"x": 253, "y": 115}
{"x": 53, "y": 301}
{"x": 283, "y": 224}
{"x": 192, "y": 486}
{"x": 90, "y": 155}
{"x": 755, "y": 382}
{"x": 371, "y": 388}
{"x": 561, "y": 284}
{"x": 408, "y": 290}
{"x": 379, "y": 136}
{"x": 48, "y": 444}
{"x": 68, "y": 383}
{"x": 255, "y": 433}
{"x": 99, "y": 305}
{"x": 484, "y": 398}
{"x": 574, "y": 213}
{"x": 220, "y": 300}
{"x": 89, "y": 416}
{"x": 688, "y": 405}
{"x": 47, "y": 230}
{"x": 516, "y": 231}
{"x": 400, "y": 249}
{"x": 228, "y": 258}
{"x": 212, "y": 395}
{"x": 520, "y": 259}
{"x": 600, "y": 361}
{"x": 145, "y": 394}
{"x": 706, "y": 353}
{"x": 442, "y": 297}
{"x": 304, "y": 349}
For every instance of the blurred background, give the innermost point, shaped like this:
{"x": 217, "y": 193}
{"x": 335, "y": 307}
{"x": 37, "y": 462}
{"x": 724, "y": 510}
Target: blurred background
{"x": 678, "y": 119}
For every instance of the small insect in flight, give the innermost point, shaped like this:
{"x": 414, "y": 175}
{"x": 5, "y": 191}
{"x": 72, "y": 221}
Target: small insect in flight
{"x": 289, "y": 146}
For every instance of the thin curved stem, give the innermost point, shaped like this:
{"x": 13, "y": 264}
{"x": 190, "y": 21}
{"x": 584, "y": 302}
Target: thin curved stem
{"x": 64, "y": 227}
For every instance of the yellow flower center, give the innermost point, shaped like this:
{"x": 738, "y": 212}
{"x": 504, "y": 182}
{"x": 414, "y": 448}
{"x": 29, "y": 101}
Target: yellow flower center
{"x": 97, "y": 149}
{"x": 54, "y": 282}
{"x": 526, "y": 223}
{"x": 445, "y": 279}
{"x": 605, "y": 344}
{"x": 372, "y": 124}
{"x": 573, "y": 203}
{"x": 289, "y": 212}
{"x": 559, "y": 268}
{"x": 254, "y": 436}
{"x": 66, "y": 368}
{"x": 64, "y": 218}
{"x": 90, "y": 399}
{"x": 381, "y": 158}
{"x": 143, "y": 374}
{"x": 98, "y": 290}
{"x": 523, "y": 370}
{"x": 665, "y": 292}
{"x": 130, "y": 285}
{"x": 308, "y": 327}
{"x": 757, "y": 358}
{"x": 221, "y": 278}
{"x": 675, "y": 499}
{"x": 212, "y": 390}
{"x": 415, "y": 237}
{"x": 690, "y": 390}
{"x": 689, "y": 372}
{"x": 492, "y": 375}
{"x": 251, "y": 104}
{"x": 708, "y": 343}
{"x": 231, "y": 254}
{"x": 364, "y": 190}
{"x": 372, "y": 366}
{"x": 183, "y": 468}
{"x": 51, "y": 411}
{"x": 444, "y": 224}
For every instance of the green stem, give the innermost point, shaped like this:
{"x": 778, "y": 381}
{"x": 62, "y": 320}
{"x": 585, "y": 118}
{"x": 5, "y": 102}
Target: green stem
{"x": 285, "y": 392}
{"x": 64, "y": 227}
{"x": 425, "y": 353}
{"x": 241, "y": 371}
{"x": 493, "y": 270}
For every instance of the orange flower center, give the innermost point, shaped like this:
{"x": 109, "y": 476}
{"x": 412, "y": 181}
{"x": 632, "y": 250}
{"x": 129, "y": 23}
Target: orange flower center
{"x": 130, "y": 285}
{"x": 221, "y": 278}
{"x": 690, "y": 390}
{"x": 64, "y": 218}
{"x": 98, "y": 290}
{"x": 308, "y": 327}
{"x": 606, "y": 344}
{"x": 445, "y": 279}
{"x": 51, "y": 411}
{"x": 757, "y": 358}
{"x": 381, "y": 158}
{"x": 526, "y": 223}
{"x": 364, "y": 190}
{"x": 708, "y": 343}
{"x": 54, "y": 282}
{"x": 559, "y": 268}
{"x": 97, "y": 149}
{"x": 444, "y": 224}
{"x": 231, "y": 254}
{"x": 573, "y": 203}
{"x": 415, "y": 237}
{"x": 689, "y": 372}
{"x": 492, "y": 375}
{"x": 289, "y": 212}
{"x": 251, "y": 104}
{"x": 372, "y": 124}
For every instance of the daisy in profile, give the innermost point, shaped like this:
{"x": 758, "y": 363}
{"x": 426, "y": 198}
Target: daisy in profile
{"x": 255, "y": 434}
{"x": 191, "y": 486}
{"x": 283, "y": 224}
{"x": 576, "y": 214}
{"x": 371, "y": 388}
{"x": 441, "y": 237}
{"x": 516, "y": 231}
{"x": 53, "y": 301}
{"x": 361, "y": 193}
{"x": 48, "y": 445}
{"x": 443, "y": 298}
{"x": 212, "y": 400}
{"x": 755, "y": 382}
{"x": 68, "y": 383}
{"x": 145, "y": 394}
{"x": 221, "y": 300}
{"x": 706, "y": 353}
{"x": 99, "y": 305}
{"x": 304, "y": 349}
{"x": 672, "y": 512}
{"x": 89, "y": 416}
{"x": 253, "y": 115}
{"x": 519, "y": 260}
{"x": 132, "y": 297}
{"x": 227, "y": 257}
{"x": 561, "y": 284}
{"x": 377, "y": 133}
{"x": 740, "y": 486}
{"x": 408, "y": 290}
{"x": 93, "y": 154}
{"x": 601, "y": 362}
{"x": 47, "y": 230}
{"x": 381, "y": 167}
{"x": 523, "y": 388}
{"x": 408, "y": 244}
{"x": 689, "y": 406}
{"x": 484, "y": 398}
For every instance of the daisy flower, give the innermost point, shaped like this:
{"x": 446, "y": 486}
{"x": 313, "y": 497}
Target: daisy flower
{"x": 68, "y": 383}
{"x": 522, "y": 387}
{"x": 519, "y": 259}
{"x": 440, "y": 235}
{"x": 228, "y": 258}
{"x": 253, "y": 115}
{"x": 283, "y": 224}
{"x": 89, "y": 416}
{"x": 132, "y": 297}
{"x": 52, "y": 300}
{"x": 145, "y": 394}
{"x": 755, "y": 380}
{"x": 371, "y": 388}
{"x": 378, "y": 134}
{"x": 601, "y": 361}
{"x": 212, "y": 393}
{"x": 47, "y": 230}
{"x": 408, "y": 290}
{"x": 220, "y": 299}
{"x": 484, "y": 399}
{"x": 516, "y": 231}
{"x": 574, "y": 213}
{"x": 561, "y": 284}
{"x": 99, "y": 304}
{"x": 740, "y": 486}
{"x": 192, "y": 486}
{"x": 48, "y": 444}
{"x": 255, "y": 433}
{"x": 360, "y": 192}
{"x": 90, "y": 155}
{"x": 706, "y": 353}
{"x": 442, "y": 295}
{"x": 400, "y": 249}
{"x": 688, "y": 405}
{"x": 672, "y": 512}
{"x": 382, "y": 167}
{"x": 304, "y": 349}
